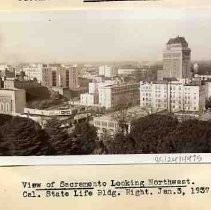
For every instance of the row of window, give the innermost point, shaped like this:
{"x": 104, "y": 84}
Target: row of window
{"x": 158, "y": 105}
{"x": 105, "y": 124}
{"x": 5, "y": 107}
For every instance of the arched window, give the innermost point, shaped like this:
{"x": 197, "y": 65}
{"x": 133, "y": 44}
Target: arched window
{"x": 7, "y": 107}
{"x": 1, "y": 106}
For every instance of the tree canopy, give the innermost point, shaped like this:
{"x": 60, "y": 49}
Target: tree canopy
{"x": 156, "y": 133}
{"x": 81, "y": 140}
{"x": 159, "y": 133}
{"x": 22, "y": 136}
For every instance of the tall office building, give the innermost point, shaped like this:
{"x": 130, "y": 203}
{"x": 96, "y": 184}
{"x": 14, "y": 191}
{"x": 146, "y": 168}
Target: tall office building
{"x": 176, "y": 59}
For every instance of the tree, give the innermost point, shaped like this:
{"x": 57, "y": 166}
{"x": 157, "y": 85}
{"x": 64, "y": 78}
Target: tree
{"x": 23, "y": 136}
{"x": 59, "y": 137}
{"x": 85, "y": 136}
{"x": 163, "y": 134}
{"x": 208, "y": 103}
{"x": 81, "y": 141}
{"x": 121, "y": 113}
{"x": 121, "y": 144}
{"x": 191, "y": 136}
{"x": 149, "y": 133}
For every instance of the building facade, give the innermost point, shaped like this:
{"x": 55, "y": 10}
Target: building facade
{"x": 60, "y": 76}
{"x": 108, "y": 71}
{"x": 89, "y": 99}
{"x": 35, "y": 71}
{"x": 106, "y": 125}
{"x": 11, "y": 83}
{"x": 172, "y": 96}
{"x": 203, "y": 77}
{"x": 109, "y": 124}
{"x": 110, "y": 96}
{"x": 176, "y": 59}
{"x": 12, "y": 101}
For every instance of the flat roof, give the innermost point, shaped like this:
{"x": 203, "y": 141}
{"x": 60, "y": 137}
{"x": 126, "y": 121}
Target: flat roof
{"x": 11, "y": 89}
{"x": 133, "y": 112}
{"x": 119, "y": 85}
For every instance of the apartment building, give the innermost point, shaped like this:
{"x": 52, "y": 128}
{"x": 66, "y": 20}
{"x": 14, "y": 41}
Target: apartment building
{"x": 172, "y": 96}
{"x": 35, "y": 71}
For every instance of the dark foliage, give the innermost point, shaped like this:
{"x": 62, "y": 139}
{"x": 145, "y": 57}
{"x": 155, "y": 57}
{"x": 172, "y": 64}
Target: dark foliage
{"x": 5, "y": 118}
{"x": 22, "y": 136}
{"x": 149, "y": 133}
{"x": 163, "y": 134}
{"x": 208, "y": 104}
{"x": 37, "y": 93}
{"x": 85, "y": 136}
{"x": 121, "y": 144}
{"x": 152, "y": 134}
{"x": 40, "y": 98}
{"x": 191, "y": 136}
{"x": 81, "y": 141}
{"x": 59, "y": 138}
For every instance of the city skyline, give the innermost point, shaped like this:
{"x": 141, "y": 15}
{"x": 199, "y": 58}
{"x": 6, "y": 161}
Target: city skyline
{"x": 93, "y": 36}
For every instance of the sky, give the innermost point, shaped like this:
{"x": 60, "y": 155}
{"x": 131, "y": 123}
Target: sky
{"x": 101, "y": 35}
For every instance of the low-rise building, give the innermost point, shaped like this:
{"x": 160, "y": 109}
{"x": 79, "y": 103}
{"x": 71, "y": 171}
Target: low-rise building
{"x": 12, "y": 101}
{"x": 11, "y": 83}
{"x": 89, "y": 99}
{"x": 109, "y": 124}
{"x": 203, "y": 77}
{"x": 126, "y": 71}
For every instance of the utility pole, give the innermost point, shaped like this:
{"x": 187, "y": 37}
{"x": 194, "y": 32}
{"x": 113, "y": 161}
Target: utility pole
{"x": 169, "y": 95}
{"x": 170, "y": 98}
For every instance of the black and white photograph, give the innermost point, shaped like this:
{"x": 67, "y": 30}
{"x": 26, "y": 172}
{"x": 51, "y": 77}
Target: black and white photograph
{"x": 98, "y": 82}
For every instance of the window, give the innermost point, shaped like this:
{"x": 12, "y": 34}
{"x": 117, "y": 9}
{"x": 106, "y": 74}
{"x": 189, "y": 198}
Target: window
{"x": 7, "y": 107}
{"x": 2, "y": 106}
{"x": 104, "y": 124}
{"x": 67, "y": 78}
{"x": 53, "y": 78}
{"x": 110, "y": 124}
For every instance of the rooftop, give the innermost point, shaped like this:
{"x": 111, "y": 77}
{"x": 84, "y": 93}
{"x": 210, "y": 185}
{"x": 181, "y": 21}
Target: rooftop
{"x": 130, "y": 114}
{"x": 178, "y": 40}
{"x": 118, "y": 85}
{"x": 11, "y": 89}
